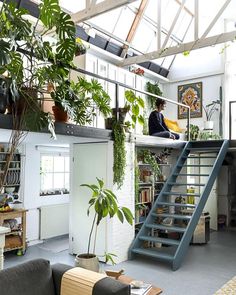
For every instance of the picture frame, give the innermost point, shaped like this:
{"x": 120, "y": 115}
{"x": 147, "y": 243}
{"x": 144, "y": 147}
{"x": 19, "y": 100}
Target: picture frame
{"x": 191, "y": 95}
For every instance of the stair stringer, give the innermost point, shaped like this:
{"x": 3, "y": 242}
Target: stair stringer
{"x": 150, "y": 219}
{"x": 182, "y": 248}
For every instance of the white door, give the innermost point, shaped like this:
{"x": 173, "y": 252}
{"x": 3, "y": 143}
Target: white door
{"x": 90, "y": 160}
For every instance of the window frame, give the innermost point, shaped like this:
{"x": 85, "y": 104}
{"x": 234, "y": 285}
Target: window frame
{"x": 54, "y": 191}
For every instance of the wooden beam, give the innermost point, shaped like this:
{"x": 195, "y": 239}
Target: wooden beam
{"x": 173, "y": 23}
{"x": 98, "y": 9}
{"x": 135, "y": 25}
{"x": 193, "y": 45}
{"x": 185, "y": 8}
{"x": 215, "y": 18}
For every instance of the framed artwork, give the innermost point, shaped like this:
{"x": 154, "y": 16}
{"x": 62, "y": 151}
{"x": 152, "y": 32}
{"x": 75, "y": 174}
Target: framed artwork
{"x": 190, "y": 95}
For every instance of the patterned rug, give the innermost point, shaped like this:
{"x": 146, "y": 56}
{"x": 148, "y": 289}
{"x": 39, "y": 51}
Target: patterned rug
{"x": 228, "y": 289}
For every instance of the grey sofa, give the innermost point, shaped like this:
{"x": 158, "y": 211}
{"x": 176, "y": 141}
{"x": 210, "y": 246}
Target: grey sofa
{"x": 38, "y": 277}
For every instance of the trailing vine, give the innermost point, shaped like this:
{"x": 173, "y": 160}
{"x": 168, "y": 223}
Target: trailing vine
{"x": 119, "y": 154}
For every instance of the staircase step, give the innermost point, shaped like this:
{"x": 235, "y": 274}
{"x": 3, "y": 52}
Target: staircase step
{"x": 181, "y": 193}
{"x": 201, "y": 157}
{"x": 204, "y": 149}
{"x": 175, "y": 204}
{"x": 196, "y": 165}
{"x": 190, "y": 174}
{"x": 174, "y": 216}
{"x": 186, "y": 184}
{"x": 166, "y": 227}
{"x": 153, "y": 253}
{"x": 160, "y": 240}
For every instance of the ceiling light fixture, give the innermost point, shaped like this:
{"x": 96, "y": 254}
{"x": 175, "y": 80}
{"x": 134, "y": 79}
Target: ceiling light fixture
{"x": 91, "y": 32}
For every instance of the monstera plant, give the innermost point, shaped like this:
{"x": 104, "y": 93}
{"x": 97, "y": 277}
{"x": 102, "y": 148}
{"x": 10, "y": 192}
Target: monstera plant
{"x": 30, "y": 60}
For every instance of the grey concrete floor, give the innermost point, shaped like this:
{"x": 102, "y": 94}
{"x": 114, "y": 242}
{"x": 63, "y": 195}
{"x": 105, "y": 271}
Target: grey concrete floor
{"x": 205, "y": 269}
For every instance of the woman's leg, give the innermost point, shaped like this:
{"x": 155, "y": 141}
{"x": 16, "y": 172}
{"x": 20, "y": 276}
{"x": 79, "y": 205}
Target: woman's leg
{"x": 176, "y": 135}
{"x": 165, "y": 134}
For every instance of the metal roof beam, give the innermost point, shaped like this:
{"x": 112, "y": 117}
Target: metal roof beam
{"x": 196, "y": 19}
{"x": 193, "y": 45}
{"x": 215, "y": 19}
{"x": 173, "y": 23}
{"x": 97, "y": 9}
{"x": 158, "y": 24}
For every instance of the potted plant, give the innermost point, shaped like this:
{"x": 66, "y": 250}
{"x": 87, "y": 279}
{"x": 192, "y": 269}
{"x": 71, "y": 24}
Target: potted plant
{"x": 79, "y": 101}
{"x": 194, "y": 132}
{"x": 155, "y": 89}
{"x": 104, "y": 204}
{"x": 210, "y": 109}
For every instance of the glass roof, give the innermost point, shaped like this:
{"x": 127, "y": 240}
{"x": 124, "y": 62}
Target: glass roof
{"x": 116, "y": 24}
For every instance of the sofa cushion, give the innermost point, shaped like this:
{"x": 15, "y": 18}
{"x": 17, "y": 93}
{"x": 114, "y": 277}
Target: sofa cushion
{"x": 29, "y": 278}
{"x": 109, "y": 286}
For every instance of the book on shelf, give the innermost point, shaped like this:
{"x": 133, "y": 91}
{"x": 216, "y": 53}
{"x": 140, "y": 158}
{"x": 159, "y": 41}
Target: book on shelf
{"x": 142, "y": 290}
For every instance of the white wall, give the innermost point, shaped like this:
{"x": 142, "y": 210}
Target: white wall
{"x": 204, "y": 65}
{"x": 31, "y": 187}
{"x": 91, "y": 161}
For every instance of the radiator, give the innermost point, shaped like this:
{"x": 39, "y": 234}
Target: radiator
{"x": 54, "y": 221}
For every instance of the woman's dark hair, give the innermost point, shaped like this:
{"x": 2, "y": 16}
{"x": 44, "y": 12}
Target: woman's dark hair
{"x": 160, "y": 102}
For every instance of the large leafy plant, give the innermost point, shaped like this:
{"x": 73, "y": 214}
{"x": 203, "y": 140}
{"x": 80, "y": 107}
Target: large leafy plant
{"x": 155, "y": 89}
{"x": 29, "y": 60}
{"x": 104, "y": 204}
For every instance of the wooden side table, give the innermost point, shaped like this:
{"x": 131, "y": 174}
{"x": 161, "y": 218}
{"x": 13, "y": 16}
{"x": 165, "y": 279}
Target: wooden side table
{"x": 3, "y": 231}
{"x": 21, "y": 213}
{"x": 126, "y": 280}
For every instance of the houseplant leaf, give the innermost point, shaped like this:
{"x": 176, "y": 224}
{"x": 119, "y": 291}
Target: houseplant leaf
{"x": 66, "y": 29}
{"x": 4, "y": 53}
{"x": 49, "y": 13}
{"x": 65, "y": 50}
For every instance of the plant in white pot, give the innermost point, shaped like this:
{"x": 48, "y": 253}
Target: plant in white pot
{"x": 104, "y": 204}
{"x": 210, "y": 109}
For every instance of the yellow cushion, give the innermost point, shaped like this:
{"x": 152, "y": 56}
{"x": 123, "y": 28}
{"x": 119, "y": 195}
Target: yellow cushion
{"x": 173, "y": 125}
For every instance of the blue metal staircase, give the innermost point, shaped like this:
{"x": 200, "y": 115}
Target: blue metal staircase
{"x": 169, "y": 226}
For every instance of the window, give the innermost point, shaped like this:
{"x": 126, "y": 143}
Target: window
{"x": 54, "y": 174}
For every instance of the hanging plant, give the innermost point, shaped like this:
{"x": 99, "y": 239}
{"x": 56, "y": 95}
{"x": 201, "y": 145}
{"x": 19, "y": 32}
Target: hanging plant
{"x": 119, "y": 154}
{"x": 155, "y": 89}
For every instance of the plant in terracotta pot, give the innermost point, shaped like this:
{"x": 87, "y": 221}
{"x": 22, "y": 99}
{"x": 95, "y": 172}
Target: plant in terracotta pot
{"x": 79, "y": 100}
{"x": 104, "y": 204}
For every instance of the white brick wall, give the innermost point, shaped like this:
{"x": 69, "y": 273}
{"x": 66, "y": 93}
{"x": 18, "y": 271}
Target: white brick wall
{"x": 121, "y": 235}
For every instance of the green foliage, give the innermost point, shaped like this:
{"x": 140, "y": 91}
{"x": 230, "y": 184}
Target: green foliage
{"x": 211, "y": 108}
{"x": 194, "y": 132}
{"x": 81, "y": 99}
{"x": 104, "y": 202}
{"x": 119, "y": 154}
{"x": 150, "y": 158}
{"x": 206, "y": 135}
{"x": 155, "y": 89}
{"x": 133, "y": 104}
{"x": 109, "y": 257}
{"x": 20, "y": 40}
{"x": 136, "y": 181}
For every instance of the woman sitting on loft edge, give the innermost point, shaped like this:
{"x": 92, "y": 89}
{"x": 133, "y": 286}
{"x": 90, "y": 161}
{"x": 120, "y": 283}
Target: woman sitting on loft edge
{"x": 156, "y": 123}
